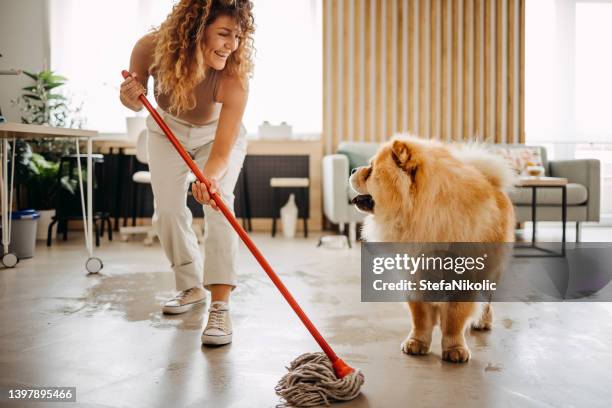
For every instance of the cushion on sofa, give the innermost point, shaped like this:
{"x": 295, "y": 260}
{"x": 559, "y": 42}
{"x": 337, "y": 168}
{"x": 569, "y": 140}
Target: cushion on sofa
{"x": 576, "y": 194}
{"x": 519, "y": 156}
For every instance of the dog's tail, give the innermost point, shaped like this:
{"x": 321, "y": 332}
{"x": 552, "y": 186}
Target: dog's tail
{"x": 495, "y": 168}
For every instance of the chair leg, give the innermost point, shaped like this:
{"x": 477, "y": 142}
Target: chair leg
{"x": 352, "y": 232}
{"x": 130, "y": 192}
{"x": 64, "y": 224}
{"x": 304, "y": 205}
{"x": 577, "y": 231}
{"x": 274, "y": 210}
{"x": 97, "y": 232}
{"x": 341, "y": 227}
{"x": 110, "y": 229}
{"x": 50, "y": 232}
{"x": 134, "y": 203}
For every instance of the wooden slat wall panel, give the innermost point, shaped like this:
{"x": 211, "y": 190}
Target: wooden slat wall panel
{"x": 441, "y": 69}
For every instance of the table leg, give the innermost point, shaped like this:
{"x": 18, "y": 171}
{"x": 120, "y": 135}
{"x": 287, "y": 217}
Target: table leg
{"x": 118, "y": 162}
{"x": 89, "y": 195}
{"x": 533, "y": 214}
{"x": 563, "y": 214}
{"x": 5, "y": 210}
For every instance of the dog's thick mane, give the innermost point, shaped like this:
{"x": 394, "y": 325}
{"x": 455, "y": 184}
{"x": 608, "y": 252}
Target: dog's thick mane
{"x": 493, "y": 166}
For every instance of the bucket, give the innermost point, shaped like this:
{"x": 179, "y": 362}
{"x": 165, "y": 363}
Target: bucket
{"x": 23, "y": 233}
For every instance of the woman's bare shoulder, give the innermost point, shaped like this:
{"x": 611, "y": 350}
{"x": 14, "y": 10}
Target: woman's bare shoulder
{"x": 146, "y": 44}
{"x": 143, "y": 55}
{"x": 232, "y": 88}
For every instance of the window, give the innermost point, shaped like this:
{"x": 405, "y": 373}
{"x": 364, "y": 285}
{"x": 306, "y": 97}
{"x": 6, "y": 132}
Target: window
{"x": 568, "y": 82}
{"x": 91, "y": 42}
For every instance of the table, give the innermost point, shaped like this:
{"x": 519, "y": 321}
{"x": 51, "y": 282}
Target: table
{"x": 545, "y": 182}
{"x": 313, "y": 149}
{"x": 15, "y": 131}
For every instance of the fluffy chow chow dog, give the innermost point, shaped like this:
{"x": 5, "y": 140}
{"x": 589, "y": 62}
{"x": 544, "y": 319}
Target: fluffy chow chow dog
{"x": 418, "y": 190}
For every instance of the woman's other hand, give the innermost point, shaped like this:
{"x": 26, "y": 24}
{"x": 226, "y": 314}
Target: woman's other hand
{"x": 200, "y": 193}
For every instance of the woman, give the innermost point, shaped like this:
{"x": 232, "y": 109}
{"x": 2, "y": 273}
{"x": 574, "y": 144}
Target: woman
{"x": 200, "y": 58}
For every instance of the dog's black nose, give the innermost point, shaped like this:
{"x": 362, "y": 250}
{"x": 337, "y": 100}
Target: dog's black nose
{"x": 354, "y": 170}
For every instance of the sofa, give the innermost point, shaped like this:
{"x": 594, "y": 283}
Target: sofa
{"x": 583, "y": 190}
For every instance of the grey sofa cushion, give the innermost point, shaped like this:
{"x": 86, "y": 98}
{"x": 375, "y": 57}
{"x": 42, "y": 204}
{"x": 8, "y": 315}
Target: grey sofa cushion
{"x": 358, "y": 153}
{"x": 576, "y": 194}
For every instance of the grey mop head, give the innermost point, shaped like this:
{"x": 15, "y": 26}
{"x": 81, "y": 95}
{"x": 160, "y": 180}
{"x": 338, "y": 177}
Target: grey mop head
{"x": 311, "y": 381}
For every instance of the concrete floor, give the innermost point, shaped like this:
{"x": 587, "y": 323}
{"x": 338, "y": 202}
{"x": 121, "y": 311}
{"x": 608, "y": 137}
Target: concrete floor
{"x": 106, "y": 335}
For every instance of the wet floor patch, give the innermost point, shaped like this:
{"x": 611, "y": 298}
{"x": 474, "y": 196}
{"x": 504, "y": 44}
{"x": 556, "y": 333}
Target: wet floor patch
{"x": 507, "y": 322}
{"x": 493, "y": 367}
{"x": 357, "y": 330}
{"x": 134, "y": 297}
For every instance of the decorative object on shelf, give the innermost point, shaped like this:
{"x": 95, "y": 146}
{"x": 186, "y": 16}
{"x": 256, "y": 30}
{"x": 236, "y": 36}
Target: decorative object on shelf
{"x": 289, "y": 214}
{"x": 301, "y": 184}
{"x": 534, "y": 169}
{"x": 267, "y": 131}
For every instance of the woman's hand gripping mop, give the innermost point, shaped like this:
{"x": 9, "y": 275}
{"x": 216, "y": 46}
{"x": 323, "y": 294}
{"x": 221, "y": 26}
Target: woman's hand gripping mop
{"x": 313, "y": 378}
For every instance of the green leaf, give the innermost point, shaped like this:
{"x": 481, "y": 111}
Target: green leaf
{"x": 57, "y": 78}
{"x": 45, "y": 75}
{"x": 30, "y": 88}
{"x": 33, "y": 168}
{"x": 32, "y": 96}
{"x": 68, "y": 184}
{"x": 52, "y": 85}
{"x": 33, "y": 76}
{"x": 56, "y": 96}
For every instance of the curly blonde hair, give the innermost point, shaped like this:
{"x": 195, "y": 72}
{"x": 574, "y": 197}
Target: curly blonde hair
{"x": 178, "y": 63}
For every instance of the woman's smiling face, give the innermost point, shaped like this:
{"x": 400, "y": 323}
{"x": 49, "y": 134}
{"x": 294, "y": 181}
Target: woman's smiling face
{"x": 221, "y": 38}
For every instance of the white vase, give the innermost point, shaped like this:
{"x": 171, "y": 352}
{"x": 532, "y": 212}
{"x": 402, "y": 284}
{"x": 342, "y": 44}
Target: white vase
{"x": 288, "y": 214}
{"x": 43, "y": 224}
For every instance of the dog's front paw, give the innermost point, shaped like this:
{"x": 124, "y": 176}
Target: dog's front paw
{"x": 456, "y": 354}
{"x": 482, "y": 325}
{"x": 415, "y": 347}
{"x": 485, "y": 321}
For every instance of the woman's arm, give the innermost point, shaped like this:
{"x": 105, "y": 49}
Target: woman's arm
{"x": 140, "y": 60}
{"x": 233, "y": 95}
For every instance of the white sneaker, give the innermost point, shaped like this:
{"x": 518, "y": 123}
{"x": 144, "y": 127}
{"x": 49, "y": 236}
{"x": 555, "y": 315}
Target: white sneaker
{"x": 185, "y": 301}
{"x": 218, "y": 330}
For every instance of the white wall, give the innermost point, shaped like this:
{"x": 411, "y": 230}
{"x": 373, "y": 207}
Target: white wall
{"x": 24, "y": 44}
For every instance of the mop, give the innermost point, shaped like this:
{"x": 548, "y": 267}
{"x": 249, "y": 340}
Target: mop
{"x": 313, "y": 378}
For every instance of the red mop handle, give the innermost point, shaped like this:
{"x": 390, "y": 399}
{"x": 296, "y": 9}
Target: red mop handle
{"x": 340, "y": 367}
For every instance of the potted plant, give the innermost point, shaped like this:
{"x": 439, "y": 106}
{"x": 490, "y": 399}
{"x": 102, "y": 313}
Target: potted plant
{"x": 42, "y": 186}
{"x": 37, "y": 160}
{"x": 42, "y": 103}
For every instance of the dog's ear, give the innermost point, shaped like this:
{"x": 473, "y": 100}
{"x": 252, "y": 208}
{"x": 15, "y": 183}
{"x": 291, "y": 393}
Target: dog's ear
{"x": 402, "y": 156}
